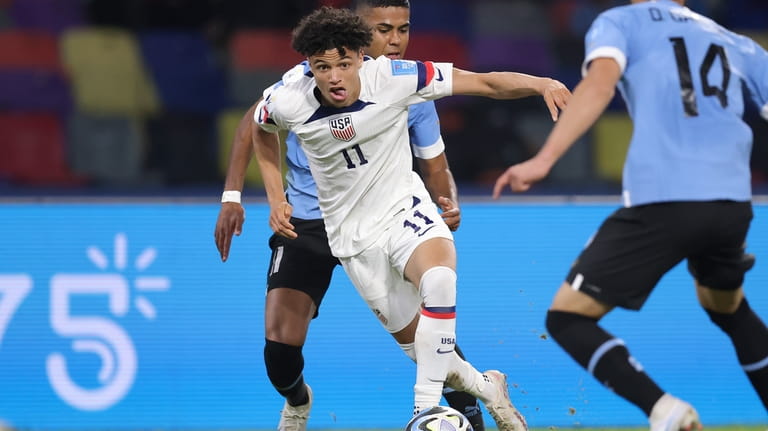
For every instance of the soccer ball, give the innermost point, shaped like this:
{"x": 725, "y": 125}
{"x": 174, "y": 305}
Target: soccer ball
{"x": 439, "y": 418}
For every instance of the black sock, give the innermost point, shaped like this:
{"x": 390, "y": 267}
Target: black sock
{"x": 465, "y": 403}
{"x": 285, "y": 364}
{"x": 604, "y": 356}
{"x": 750, "y": 339}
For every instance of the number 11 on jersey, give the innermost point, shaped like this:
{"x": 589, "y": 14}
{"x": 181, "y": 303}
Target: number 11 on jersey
{"x": 360, "y": 157}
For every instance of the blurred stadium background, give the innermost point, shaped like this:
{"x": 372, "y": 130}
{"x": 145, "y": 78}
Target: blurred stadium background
{"x": 116, "y": 118}
{"x": 142, "y": 96}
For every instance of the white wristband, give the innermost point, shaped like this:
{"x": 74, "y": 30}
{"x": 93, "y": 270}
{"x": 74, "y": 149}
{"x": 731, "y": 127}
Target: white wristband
{"x": 230, "y": 196}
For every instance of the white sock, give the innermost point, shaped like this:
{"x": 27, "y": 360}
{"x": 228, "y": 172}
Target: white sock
{"x": 435, "y": 338}
{"x": 462, "y": 376}
{"x": 431, "y": 366}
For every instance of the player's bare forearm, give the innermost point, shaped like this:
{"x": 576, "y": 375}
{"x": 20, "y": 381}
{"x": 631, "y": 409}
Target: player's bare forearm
{"x": 498, "y": 85}
{"x": 231, "y": 214}
{"x": 439, "y": 181}
{"x": 590, "y": 98}
{"x": 266, "y": 146}
{"x": 242, "y": 152}
{"x": 512, "y": 85}
{"x": 438, "y": 178}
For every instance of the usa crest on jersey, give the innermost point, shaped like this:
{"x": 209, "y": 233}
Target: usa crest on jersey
{"x": 342, "y": 128}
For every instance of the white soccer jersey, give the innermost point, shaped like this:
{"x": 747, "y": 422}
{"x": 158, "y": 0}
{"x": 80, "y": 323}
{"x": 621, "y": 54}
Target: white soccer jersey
{"x": 360, "y": 155}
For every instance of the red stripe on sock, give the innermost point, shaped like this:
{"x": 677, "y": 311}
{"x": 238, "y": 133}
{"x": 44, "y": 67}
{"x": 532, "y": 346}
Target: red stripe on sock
{"x": 438, "y": 315}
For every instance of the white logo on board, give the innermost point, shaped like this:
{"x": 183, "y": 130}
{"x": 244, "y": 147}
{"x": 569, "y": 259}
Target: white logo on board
{"x": 92, "y": 334}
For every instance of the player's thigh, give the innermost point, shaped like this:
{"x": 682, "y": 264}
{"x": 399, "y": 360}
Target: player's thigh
{"x": 626, "y": 258}
{"x": 392, "y": 299}
{"x": 430, "y": 254}
{"x": 304, "y": 264}
{"x": 718, "y": 260}
{"x": 287, "y": 314}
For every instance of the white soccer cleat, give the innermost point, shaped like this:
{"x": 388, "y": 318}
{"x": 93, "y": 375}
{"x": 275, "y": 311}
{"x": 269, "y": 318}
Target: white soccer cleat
{"x": 294, "y": 418}
{"x": 504, "y": 413}
{"x": 673, "y": 414}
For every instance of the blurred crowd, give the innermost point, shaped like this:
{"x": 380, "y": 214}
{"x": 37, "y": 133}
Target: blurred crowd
{"x": 145, "y": 95}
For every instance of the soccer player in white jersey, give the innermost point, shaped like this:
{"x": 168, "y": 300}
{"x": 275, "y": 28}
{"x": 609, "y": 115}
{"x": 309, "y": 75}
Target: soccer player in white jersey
{"x": 686, "y": 190}
{"x": 350, "y": 116}
{"x": 300, "y": 269}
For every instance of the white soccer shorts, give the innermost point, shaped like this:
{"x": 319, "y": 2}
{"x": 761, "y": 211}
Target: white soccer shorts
{"x": 377, "y": 272}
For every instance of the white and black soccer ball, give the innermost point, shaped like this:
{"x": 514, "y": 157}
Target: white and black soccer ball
{"x": 439, "y": 418}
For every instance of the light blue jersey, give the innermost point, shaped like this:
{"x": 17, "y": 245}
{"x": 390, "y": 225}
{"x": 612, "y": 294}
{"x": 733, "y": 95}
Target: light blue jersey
{"x": 683, "y": 80}
{"x": 426, "y": 143}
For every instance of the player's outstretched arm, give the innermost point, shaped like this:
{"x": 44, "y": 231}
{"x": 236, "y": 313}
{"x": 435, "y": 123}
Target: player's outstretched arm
{"x": 590, "y": 98}
{"x": 439, "y": 181}
{"x": 512, "y": 85}
{"x": 232, "y": 214}
{"x": 266, "y": 147}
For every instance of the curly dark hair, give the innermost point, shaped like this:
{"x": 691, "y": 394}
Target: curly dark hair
{"x": 357, "y": 4}
{"x": 329, "y": 28}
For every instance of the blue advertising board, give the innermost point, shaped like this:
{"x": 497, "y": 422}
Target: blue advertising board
{"x": 123, "y": 317}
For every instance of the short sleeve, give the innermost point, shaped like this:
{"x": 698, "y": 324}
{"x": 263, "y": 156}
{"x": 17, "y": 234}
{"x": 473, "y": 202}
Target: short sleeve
{"x": 435, "y": 80}
{"x": 264, "y": 115}
{"x": 606, "y": 38}
{"x": 409, "y": 82}
{"x": 424, "y": 131}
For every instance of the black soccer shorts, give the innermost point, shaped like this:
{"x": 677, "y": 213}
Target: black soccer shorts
{"x": 305, "y": 263}
{"x": 636, "y": 246}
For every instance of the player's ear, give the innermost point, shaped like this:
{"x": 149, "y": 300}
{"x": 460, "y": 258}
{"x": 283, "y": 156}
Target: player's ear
{"x": 361, "y": 56}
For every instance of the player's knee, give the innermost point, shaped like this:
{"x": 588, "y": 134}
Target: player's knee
{"x": 580, "y": 336}
{"x": 438, "y": 287}
{"x": 726, "y": 320}
{"x": 555, "y": 323}
{"x": 284, "y": 363}
{"x": 559, "y": 323}
{"x": 281, "y": 335}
